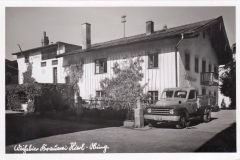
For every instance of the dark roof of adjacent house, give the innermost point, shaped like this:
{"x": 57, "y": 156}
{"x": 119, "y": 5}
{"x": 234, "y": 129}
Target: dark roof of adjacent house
{"x": 44, "y": 47}
{"x": 11, "y": 66}
{"x": 189, "y": 29}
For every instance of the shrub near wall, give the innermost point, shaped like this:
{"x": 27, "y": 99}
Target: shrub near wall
{"x": 14, "y": 95}
{"x": 55, "y": 98}
{"x": 40, "y": 97}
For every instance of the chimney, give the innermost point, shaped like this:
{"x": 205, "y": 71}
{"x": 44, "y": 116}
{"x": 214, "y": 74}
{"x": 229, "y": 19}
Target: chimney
{"x": 45, "y": 40}
{"x": 149, "y": 27}
{"x": 86, "y": 35}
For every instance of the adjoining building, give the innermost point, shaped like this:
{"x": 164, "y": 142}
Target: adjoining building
{"x": 46, "y": 68}
{"x": 183, "y": 56}
{"x": 222, "y": 71}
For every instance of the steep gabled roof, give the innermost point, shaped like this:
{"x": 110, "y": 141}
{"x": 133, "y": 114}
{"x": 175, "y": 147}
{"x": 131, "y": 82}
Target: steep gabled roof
{"x": 160, "y": 34}
{"x": 218, "y": 37}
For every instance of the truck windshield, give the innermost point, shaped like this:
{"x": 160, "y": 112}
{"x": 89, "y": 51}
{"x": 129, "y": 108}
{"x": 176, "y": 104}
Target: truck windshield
{"x": 167, "y": 94}
{"x": 180, "y": 94}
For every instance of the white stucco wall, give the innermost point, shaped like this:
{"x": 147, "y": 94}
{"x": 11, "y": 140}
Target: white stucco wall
{"x": 41, "y": 74}
{"x": 198, "y": 47}
{"x": 157, "y": 79}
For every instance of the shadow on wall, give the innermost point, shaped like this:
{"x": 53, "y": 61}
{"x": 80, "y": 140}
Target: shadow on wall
{"x": 224, "y": 141}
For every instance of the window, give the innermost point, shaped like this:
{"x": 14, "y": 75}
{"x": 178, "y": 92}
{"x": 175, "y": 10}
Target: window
{"x": 101, "y": 66}
{"x": 192, "y": 94}
{"x": 180, "y": 94}
{"x": 203, "y": 66}
{"x": 67, "y": 79}
{"x": 196, "y": 64}
{"x": 209, "y": 93}
{"x": 153, "y": 60}
{"x": 209, "y": 68}
{"x": 99, "y": 94}
{"x": 153, "y": 96}
{"x": 54, "y": 62}
{"x": 43, "y": 64}
{"x": 203, "y": 91}
{"x": 167, "y": 94}
{"x": 187, "y": 61}
{"x": 26, "y": 59}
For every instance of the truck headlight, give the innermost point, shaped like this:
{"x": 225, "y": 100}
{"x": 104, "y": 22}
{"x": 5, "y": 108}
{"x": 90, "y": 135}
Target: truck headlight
{"x": 149, "y": 110}
{"x": 171, "y": 111}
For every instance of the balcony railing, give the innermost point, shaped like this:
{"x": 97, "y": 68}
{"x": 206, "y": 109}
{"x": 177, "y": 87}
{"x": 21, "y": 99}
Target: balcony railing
{"x": 209, "y": 78}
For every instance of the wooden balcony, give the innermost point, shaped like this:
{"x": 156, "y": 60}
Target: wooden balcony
{"x": 209, "y": 78}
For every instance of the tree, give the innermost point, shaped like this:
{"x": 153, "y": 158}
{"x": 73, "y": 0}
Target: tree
{"x": 124, "y": 88}
{"x": 75, "y": 72}
{"x": 228, "y": 79}
{"x": 27, "y": 75}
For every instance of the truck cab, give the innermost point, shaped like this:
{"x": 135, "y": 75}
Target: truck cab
{"x": 179, "y": 106}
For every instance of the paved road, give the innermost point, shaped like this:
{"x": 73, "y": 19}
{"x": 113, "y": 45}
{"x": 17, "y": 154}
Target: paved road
{"x": 122, "y": 140}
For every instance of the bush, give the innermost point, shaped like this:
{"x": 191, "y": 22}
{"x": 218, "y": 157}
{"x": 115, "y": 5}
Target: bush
{"x": 28, "y": 92}
{"x": 40, "y": 97}
{"x": 54, "y": 98}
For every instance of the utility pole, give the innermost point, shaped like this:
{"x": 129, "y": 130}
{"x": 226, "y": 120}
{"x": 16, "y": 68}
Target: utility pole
{"x": 124, "y": 21}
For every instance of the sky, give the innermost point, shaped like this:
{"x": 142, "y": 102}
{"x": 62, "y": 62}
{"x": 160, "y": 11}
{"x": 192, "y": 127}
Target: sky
{"x": 25, "y": 26}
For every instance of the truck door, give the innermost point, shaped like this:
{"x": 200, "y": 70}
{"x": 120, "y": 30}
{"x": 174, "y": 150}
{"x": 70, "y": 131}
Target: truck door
{"x": 192, "y": 102}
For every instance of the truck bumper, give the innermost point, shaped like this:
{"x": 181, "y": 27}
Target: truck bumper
{"x": 161, "y": 118}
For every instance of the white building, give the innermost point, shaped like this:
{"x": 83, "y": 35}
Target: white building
{"x": 182, "y": 56}
{"x": 46, "y": 68}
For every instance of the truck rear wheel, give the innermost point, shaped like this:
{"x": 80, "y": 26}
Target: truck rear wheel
{"x": 207, "y": 116}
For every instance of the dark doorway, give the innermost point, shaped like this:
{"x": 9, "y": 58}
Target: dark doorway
{"x": 55, "y": 75}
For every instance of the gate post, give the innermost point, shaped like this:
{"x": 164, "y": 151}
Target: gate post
{"x": 138, "y": 115}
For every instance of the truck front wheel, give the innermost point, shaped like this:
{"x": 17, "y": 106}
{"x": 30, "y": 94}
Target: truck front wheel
{"x": 152, "y": 123}
{"x": 182, "y": 123}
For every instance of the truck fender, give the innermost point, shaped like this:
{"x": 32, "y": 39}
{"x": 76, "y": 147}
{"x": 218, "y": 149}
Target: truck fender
{"x": 183, "y": 112}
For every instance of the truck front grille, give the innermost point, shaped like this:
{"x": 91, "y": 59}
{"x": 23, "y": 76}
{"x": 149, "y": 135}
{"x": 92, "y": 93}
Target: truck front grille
{"x": 160, "y": 111}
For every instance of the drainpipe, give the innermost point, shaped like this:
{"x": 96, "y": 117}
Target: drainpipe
{"x": 176, "y": 50}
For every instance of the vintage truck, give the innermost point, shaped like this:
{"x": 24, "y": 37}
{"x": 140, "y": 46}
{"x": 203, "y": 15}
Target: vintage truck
{"x": 179, "y": 106}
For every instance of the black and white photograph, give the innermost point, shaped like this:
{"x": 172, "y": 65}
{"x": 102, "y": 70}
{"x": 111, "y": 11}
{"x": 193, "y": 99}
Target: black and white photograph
{"x": 144, "y": 79}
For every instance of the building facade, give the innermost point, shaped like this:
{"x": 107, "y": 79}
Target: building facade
{"x": 183, "y": 56}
